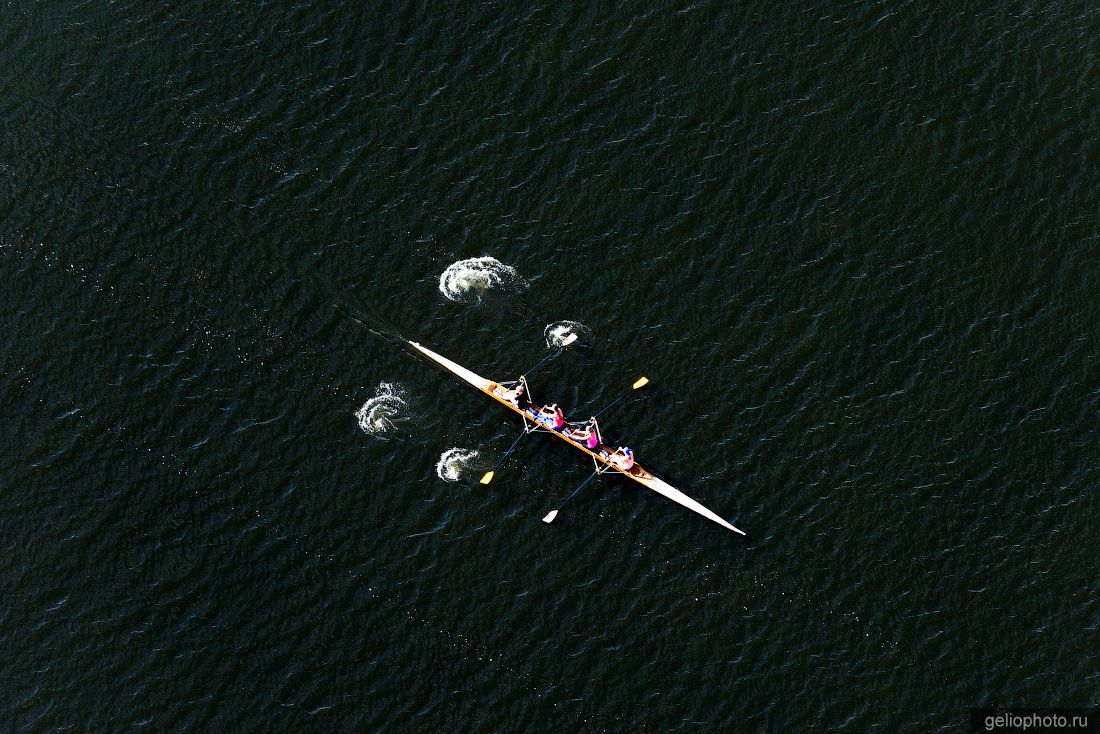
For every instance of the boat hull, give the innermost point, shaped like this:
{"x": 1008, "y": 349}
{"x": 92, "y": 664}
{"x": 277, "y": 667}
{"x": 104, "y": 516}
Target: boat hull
{"x": 601, "y": 454}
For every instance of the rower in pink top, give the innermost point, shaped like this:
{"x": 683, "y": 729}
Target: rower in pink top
{"x": 589, "y": 434}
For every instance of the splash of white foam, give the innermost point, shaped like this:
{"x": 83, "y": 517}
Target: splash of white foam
{"x": 466, "y": 280}
{"x": 555, "y": 332}
{"x": 452, "y": 462}
{"x": 381, "y": 414}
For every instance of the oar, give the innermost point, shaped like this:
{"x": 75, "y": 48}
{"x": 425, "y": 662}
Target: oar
{"x": 554, "y": 513}
{"x": 488, "y": 476}
{"x": 638, "y": 384}
{"x": 569, "y": 339}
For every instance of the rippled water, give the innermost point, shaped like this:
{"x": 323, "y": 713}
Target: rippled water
{"x": 853, "y": 245}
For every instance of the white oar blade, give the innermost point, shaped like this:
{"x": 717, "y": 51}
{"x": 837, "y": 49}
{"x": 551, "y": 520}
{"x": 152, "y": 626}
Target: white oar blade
{"x": 569, "y": 339}
{"x": 487, "y": 478}
{"x": 550, "y": 516}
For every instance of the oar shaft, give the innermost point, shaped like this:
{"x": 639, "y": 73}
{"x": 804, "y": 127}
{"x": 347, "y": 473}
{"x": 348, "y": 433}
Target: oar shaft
{"x": 577, "y": 491}
{"x": 552, "y": 354}
{"x": 613, "y": 403}
{"x": 640, "y": 383}
{"x": 569, "y": 339}
{"x": 511, "y": 448}
{"x": 554, "y": 513}
{"x": 488, "y": 476}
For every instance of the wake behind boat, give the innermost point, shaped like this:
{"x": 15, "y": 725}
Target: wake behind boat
{"x": 605, "y": 458}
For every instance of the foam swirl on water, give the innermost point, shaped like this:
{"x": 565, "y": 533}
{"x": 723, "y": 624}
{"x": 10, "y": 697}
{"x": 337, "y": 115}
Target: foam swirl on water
{"x": 452, "y": 462}
{"x": 466, "y": 280}
{"x": 555, "y": 332}
{"x": 381, "y": 414}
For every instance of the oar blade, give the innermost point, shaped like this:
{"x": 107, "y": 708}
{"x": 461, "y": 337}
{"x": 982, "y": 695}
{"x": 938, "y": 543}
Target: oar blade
{"x": 641, "y": 382}
{"x": 550, "y": 516}
{"x": 569, "y": 339}
{"x": 488, "y": 477}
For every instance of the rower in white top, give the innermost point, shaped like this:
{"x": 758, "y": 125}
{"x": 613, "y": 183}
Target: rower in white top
{"x": 517, "y": 395}
{"x": 623, "y": 459}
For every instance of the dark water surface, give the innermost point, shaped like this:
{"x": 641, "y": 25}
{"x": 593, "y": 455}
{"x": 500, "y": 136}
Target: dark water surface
{"x": 854, "y": 245}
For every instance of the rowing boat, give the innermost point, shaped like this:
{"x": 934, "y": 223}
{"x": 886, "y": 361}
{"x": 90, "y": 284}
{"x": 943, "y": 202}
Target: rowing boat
{"x": 601, "y": 454}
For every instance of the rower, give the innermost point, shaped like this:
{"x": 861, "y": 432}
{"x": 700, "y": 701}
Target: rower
{"x": 623, "y": 459}
{"x": 517, "y": 396}
{"x": 589, "y": 434}
{"x": 554, "y": 415}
